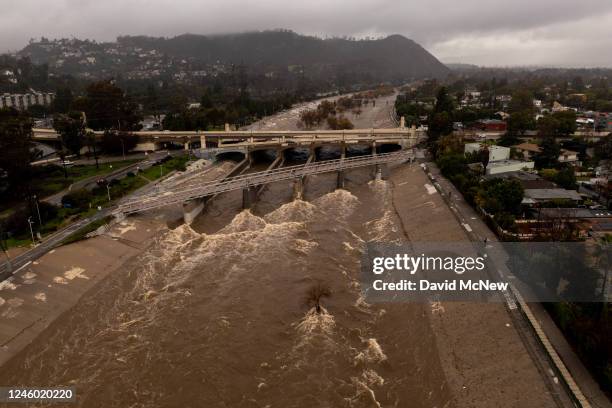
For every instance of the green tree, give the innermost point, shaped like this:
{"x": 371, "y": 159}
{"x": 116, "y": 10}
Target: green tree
{"x": 63, "y": 100}
{"x": 441, "y": 118}
{"x": 15, "y": 150}
{"x": 558, "y": 124}
{"x": 78, "y": 199}
{"x": 521, "y": 112}
{"x": 603, "y": 148}
{"x": 107, "y": 107}
{"x": 566, "y": 178}
{"x": 548, "y": 157}
{"x": 71, "y": 128}
{"x": 339, "y": 123}
{"x": 118, "y": 142}
{"x": 508, "y": 194}
{"x": 520, "y": 122}
{"x": 522, "y": 101}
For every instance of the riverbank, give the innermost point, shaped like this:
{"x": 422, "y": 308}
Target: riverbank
{"x": 39, "y": 293}
{"x": 484, "y": 358}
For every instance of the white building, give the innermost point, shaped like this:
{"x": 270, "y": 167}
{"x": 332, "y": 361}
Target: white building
{"x": 496, "y": 153}
{"x": 24, "y": 101}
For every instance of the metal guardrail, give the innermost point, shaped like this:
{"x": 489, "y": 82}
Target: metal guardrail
{"x": 255, "y": 179}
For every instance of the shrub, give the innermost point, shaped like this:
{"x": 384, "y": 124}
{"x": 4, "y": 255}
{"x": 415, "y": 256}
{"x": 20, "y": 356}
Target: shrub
{"x": 78, "y": 199}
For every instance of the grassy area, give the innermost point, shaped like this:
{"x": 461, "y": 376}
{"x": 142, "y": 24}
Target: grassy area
{"x": 52, "y": 180}
{"x": 81, "y": 233}
{"x": 99, "y": 198}
{"x": 175, "y": 163}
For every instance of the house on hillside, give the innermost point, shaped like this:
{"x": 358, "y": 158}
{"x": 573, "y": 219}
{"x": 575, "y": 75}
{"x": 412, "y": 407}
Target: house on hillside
{"x": 491, "y": 125}
{"x": 530, "y": 150}
{"x": 495, "y": 152}
{"x": 499, "y": 159}
{"x": 539, "y": 196}
{"x": 557, "y": 107}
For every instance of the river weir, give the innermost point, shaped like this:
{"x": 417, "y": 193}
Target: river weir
{"x": 216, "y": 314}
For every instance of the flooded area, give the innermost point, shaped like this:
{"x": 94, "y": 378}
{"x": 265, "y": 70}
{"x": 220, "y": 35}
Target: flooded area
{"x": 217, "y": 314}
{"x": 262, "y": 308}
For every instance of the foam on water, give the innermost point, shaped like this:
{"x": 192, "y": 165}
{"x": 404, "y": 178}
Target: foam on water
{"x": 373, "y": 353}
{"x": 338, "y": 205}
{"x": 296, "y": 210}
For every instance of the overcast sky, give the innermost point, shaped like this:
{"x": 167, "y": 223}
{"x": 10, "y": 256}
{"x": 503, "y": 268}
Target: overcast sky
{"x": 484, "y": 32}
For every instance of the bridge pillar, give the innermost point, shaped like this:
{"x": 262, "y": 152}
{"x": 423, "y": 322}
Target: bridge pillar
{"x": 374, "y": 148}
{"x": 342, "y": 150}
{"x": 382, "y": 172}
{"x": 227, "y": 127}
{"x": 312, "y": 155}
{"x": 340, "y": 179}
{"x": 402, "y": 122}
{"x": 298, "y": 188}
{"x": 192, "y": 208}
{"x": 249, "y": 156}
{"x": 249, "y": 197}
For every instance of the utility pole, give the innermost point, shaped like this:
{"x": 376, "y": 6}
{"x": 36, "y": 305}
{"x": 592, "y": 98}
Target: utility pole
{"x": 30, "y": 222}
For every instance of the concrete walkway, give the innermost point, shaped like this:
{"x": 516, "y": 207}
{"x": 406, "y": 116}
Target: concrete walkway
{"x": 39, "y": 293}
{"x": 581, "y": 375}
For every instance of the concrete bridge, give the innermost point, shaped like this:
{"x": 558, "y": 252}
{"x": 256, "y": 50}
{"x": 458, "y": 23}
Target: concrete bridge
{"x": 257, "y": 140}
{"x": 249, "y": 183}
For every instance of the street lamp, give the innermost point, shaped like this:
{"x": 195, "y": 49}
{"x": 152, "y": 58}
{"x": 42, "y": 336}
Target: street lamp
{"x": 108, "y": 191}
{"x": 30, "y": 222}
{"x": 38, "y": 210}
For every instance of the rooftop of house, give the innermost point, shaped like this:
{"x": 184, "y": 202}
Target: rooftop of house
{"x": 519, "y": 175}
{"x": 502, "y": 163}
{"x": 543, "y": 194}
{"x": 574, "y": 213}
{"x": 530, "y": 147}
{"x": 537, "y": 184}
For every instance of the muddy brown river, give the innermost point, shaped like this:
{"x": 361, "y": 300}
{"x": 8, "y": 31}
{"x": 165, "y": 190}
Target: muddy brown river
{"x": 216, "y": 314}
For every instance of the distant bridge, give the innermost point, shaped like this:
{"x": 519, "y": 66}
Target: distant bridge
{"x": 260, "y": 139}
{"x": 248, "y": 181}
